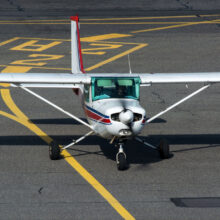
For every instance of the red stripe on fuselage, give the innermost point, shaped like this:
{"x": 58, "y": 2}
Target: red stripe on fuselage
{"x": 96, "y": 117}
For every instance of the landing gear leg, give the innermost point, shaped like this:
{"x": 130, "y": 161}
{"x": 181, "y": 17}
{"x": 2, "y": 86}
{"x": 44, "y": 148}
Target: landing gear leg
{"x": 121, "y": 158}
{"x": 163, "y": 148}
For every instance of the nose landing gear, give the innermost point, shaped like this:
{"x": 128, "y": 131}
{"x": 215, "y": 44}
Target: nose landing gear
{"x": 121, "y": 158}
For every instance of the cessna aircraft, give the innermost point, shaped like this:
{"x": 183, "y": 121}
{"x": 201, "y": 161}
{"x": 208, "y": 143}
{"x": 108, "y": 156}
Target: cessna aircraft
{"x": 110, "y": 101}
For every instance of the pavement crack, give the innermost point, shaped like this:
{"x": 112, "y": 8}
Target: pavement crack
{"x": 185, "y": 4}
{"x": 40, "y": 190}
{"x": 18, "y": 7}
{"x": 162, "y": 101}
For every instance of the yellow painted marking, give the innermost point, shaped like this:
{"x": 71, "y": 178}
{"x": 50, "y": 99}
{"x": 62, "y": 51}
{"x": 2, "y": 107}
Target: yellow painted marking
{"x": 110, "y": 19}
{"x": 103, "y": 47}
{"x": 145, "y": 18}
{"x": 172, "y": 26}
{"x": 34, "y": 23}
{"x": 114, "y": 203}
{"x": 116, "y": 57}
{"x": 35, "y": 62}
{"x": 49, "y": 39}
{"x": 152, "y": 23}
{"x": 43, "y": 68}
{"x": 86, "y": 39}
{"x": 135, "y": 23}
{"x": 9, "y": 41}
{"x": 139, "y": 46}
{"x": 103, "y": 37}
{"x": 81, "y": 39}
{"x": 113, "y": 23}
{"x": 32, "y": 46}
{"x": 111, "y": 42}
{"x": 120, "y": 23}
{"x": 21, "y": 118}
{"x": 17, "y": 21}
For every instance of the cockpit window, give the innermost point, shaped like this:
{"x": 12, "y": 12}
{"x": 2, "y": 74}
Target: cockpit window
{"x": 115, "y": 87}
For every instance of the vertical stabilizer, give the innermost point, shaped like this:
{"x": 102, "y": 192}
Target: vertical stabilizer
{"x": 76, "y": 54}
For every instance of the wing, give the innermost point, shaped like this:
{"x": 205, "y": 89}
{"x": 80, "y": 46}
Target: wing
{"x": 65, "y": 80}
{"x": 52, "y": 80}
{"x": 156, "y": 78}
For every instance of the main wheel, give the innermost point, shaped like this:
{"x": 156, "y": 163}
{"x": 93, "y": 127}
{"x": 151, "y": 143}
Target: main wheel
{"x": 54, "y": 151}
{"x": 164, "y": 149}
{"x": 121, "y": 161}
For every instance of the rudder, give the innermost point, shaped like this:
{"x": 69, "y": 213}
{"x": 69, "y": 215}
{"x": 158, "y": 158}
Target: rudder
{"x": 76, "y": 54}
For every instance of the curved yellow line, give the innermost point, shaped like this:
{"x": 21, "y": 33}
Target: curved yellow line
{"x": 21, "y": 118}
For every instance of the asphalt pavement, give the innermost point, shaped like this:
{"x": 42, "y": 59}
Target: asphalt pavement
{"x": 176, "y": 37}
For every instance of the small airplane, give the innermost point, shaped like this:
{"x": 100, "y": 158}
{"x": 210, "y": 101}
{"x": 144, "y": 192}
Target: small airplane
{"x": 110, "y": 101}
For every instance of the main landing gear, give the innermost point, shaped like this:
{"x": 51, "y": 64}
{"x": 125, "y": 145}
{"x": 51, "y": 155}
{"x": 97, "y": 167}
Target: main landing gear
{"x": 54, "y": 148}
{"x": 54, "y": 151}
{"x": 163, "y": 147}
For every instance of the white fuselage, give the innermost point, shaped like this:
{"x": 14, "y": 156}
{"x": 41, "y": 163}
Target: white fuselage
{"x": 122, "y": 118}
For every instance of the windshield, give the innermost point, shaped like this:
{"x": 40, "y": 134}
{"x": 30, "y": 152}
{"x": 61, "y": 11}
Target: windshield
{"x": 115, "y": 87}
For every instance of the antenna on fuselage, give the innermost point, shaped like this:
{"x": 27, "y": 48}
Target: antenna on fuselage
{"x": 129, "y": 64}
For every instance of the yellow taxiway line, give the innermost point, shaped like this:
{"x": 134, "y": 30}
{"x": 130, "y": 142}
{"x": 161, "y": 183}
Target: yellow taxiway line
{"x": 116, "y": 57}
{"x": 111, "y": 23}
{"x": 174, "y": 26}
{"x": 21, "y": 118}
{"x": 117, "y": 19}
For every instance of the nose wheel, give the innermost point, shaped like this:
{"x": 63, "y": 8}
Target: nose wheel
{"x": 121, "y": 158}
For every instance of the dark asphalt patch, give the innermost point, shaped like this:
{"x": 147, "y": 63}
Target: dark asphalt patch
{"x": 203, "y": 202}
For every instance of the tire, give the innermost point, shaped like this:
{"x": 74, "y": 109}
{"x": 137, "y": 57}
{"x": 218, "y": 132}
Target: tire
{"x": 121, "y": 161}
{"x": 164, "y": 149}
{"x": 54, "y": 151}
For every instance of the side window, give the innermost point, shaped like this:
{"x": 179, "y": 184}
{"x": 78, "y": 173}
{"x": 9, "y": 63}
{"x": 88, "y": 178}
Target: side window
{"x": 86, "y": 92}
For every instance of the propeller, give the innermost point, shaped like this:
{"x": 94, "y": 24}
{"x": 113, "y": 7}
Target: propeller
{"x": 126, "y": 116}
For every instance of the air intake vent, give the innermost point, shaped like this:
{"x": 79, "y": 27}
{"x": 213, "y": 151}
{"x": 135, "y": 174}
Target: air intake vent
{"x": 115, "y": 117}
{"x": 137, "y": 117}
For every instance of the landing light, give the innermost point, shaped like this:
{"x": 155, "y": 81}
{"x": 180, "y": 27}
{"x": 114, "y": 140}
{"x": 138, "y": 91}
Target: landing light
{"x": 125, "y": 132}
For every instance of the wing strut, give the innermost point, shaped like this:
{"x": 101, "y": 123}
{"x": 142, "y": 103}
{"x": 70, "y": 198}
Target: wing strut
{"x": 57, "y": 107}
{"x": 178, "y": 103}
{"x": 78, "y": 140}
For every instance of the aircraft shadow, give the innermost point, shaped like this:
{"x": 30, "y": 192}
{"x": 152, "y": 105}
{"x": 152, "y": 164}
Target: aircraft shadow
{"x": 69, "y": 121}
{"x": 137, "y": 153}
{"x": 61, "y": 121}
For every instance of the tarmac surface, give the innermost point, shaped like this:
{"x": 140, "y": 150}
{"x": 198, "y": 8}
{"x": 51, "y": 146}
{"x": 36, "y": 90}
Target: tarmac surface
{"x": 86, "y": 184}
